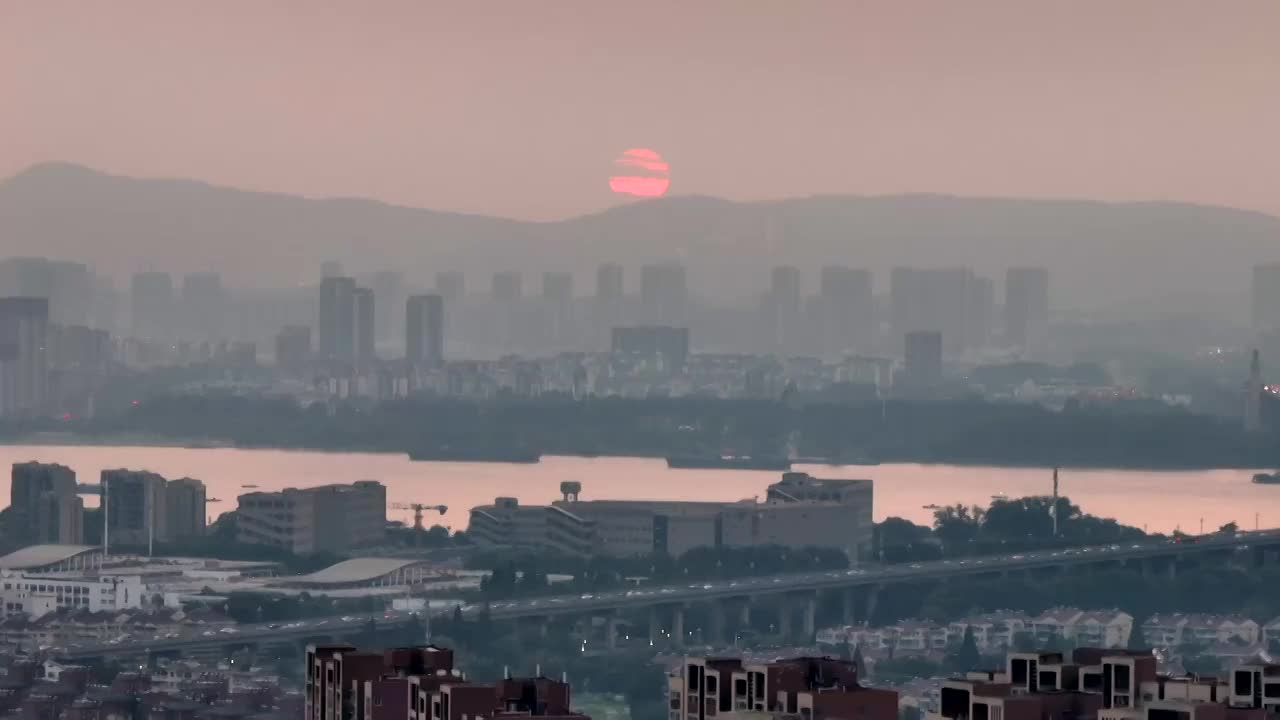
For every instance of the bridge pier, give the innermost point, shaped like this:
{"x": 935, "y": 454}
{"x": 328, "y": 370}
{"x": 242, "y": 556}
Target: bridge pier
{"x": 810, "y": 616}
{"x": 716, "y": 635}
{"x": 873, "y": 595}
{"x": 611, "y": 631}
{"x": 848, "y": 606}
{"x": 677, "y": 626}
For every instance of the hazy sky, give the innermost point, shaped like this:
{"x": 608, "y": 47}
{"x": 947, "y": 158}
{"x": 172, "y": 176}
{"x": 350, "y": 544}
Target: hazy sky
{"x": 518, "y": 108}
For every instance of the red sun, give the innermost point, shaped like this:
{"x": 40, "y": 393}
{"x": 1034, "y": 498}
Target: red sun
{"x": 641, "y": 172}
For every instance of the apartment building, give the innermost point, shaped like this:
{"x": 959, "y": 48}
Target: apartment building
{"x": 1177, "y": 629}
{"x": 420, "y": 683}
{"x": 1093, "y": 628}
{"x": 144, "y": 507}
{"x": 334, "y": 518}
{"x": 1107, "y": 685}
{"x": 799, "y": 511}
{"x": 44, "y": 506}
{"x": 809, "y": 688}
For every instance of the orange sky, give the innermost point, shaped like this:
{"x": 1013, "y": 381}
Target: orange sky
{"x": 519, "y": 108}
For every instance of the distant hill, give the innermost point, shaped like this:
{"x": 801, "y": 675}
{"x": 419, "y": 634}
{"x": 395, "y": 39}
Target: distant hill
{"x": 1100, "y": 253}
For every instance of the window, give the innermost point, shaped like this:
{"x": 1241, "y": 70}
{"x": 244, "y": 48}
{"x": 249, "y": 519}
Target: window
{"x": 740, "y": 687}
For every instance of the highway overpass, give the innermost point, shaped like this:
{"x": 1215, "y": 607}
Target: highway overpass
{"x": 857, "y": 589}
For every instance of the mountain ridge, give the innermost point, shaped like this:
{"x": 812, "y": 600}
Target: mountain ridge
{"x": 1103, "y": 251}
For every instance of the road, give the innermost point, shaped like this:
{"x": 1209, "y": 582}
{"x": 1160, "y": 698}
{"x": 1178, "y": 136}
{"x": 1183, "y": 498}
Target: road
{"x": 708, "y": 591}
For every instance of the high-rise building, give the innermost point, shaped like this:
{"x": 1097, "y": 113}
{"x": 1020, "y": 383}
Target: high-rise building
{"x": 43, "y": 506}
{"x": 782, "y": 308}
{"x": 388, "y": 288}
{"x": 204, "y": 307}
{"x": 293, "y": 347}
{"x": 923, "y": 358}
{"x": 24, "y": 356}
{"x": 609, "y": 287}
{"x": 335, "y": 518}
{"x": 1253, "y": 395}
{"x": 337, "y": 321}
{"x": 1026, "y": 307}
{"x": 507, "y": 292}
{"x": 557, "y": 300}
{"x": 940, "y": 300}
{"x": 365, "y": 331}
{"x": 152, "y": 305}
{"x": 184, "y": 514}
{"x": 142, "y": 507}
{"x": 508, "y": 287}
{"x": 557, "y": 287}
{"x": 664, "y": 294}
{"x": 135, "y": 507}
{"x": 451, "y": 285}
{"x": 60, "y": 520}
{"x": 607, "y": 306}
{"x": 68, "y": 286}
{"x": 980, "y": 310}
{"x": 424, "y": 331}
{"x": 845, "y": 310}
{"x": 1266, "y": 297}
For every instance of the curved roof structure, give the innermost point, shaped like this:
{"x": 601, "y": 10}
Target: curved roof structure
{"x": 39, "y": 556}
{"x": 355, "y": 570}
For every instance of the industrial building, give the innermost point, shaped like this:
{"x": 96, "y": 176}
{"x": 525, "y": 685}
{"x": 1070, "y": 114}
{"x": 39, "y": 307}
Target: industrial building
{"x": 333, "y": 518}
{"x": 798, "y": 511}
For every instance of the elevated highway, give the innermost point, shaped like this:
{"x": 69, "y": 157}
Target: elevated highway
{"x": 799, "y": 592}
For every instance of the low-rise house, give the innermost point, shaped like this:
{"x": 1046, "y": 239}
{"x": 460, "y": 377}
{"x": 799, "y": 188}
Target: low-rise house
{"x": 1055, "y": 624}
{"x": 1164, "y": 630}
{"x": 992, "y": 632}
{"x": 1214, "y": 629}
{"x": 1271, "y": 633}
{"x": 1102, "y": 628}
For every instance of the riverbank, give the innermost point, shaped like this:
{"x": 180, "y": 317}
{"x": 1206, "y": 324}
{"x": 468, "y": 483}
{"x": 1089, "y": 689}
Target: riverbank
{"x": 1159, "y": 500}
{"x": 155, "y": 440}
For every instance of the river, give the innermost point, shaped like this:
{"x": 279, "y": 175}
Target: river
{"x": 1157, "y": 500}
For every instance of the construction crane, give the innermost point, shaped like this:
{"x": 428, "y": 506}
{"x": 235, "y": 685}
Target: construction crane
{"x": 417, "y": 509}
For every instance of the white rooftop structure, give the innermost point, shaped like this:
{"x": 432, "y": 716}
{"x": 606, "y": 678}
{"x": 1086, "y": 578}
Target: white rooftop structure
{"x": 35, "y": 558}
{"x": 367, "y": 572}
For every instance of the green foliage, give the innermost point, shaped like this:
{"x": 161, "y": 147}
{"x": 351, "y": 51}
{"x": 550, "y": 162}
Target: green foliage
{"x": 966, "y": 430}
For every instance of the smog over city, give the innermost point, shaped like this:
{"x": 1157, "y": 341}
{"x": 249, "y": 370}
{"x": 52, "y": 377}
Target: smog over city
{"x": 880, "y": 360}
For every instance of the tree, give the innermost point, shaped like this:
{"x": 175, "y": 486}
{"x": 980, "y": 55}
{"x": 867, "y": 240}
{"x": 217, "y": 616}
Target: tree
{"x": 966, "y": 657}
{"x": 957, "y": 525}
{"x": 896, "y": 540}
{"x": 1136, "y": 639}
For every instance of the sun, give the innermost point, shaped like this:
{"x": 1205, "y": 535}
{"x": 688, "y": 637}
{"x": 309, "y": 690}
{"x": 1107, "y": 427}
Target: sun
{"x": 641, "y": 172}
